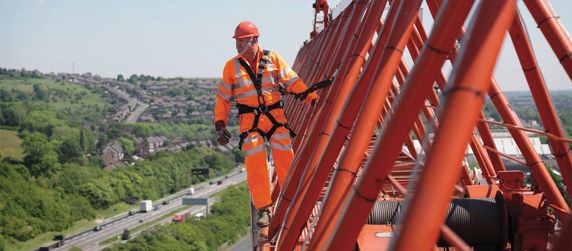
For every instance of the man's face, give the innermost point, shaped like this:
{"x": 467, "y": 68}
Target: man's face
{"x": 246, "y": 45}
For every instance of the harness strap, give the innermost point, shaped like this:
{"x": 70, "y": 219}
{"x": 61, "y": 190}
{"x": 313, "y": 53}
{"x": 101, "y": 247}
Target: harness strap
{"x": 242, "y": 109}
{"x": 262, "y": 108}
{"x": 257, "y": 79}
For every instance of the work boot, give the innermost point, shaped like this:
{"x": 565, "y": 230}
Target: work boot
{"x": 263, "y": 217}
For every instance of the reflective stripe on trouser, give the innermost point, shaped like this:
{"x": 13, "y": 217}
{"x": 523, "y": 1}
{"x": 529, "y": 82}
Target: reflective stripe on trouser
{"x": 281, "y": 147}
{"x": 257, "y": 170}
{"x": 255, "y": 157}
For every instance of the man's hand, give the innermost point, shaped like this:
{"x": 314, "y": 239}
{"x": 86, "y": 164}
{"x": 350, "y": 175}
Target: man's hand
{"x": 223, "y": 136}
{"x": 311, "y": 99}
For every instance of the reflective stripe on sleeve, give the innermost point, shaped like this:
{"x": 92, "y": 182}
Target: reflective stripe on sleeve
{"x": 226, "y": 86}
{"x": 224, "y": 96}
{"x": 291, "y": 81}
{"x": 285, "y": 72}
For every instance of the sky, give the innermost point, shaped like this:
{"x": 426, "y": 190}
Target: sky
{"x": 188, "y": 38}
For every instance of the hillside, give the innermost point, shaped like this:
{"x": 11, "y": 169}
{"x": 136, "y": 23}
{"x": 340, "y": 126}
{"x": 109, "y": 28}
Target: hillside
{"x": 10, "y": 145}
{"x": 57, "y": 135}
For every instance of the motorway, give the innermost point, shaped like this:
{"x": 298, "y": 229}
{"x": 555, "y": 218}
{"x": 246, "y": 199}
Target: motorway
{"x": 89, "y": 240}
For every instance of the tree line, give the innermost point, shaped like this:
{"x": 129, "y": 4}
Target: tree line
{"x": 31, "y": 205}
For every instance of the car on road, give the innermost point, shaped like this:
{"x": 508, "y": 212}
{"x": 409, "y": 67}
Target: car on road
{"x": 219, "y": 182}
{"x": 97, "y": 228}
{"x": 126, "y": 234}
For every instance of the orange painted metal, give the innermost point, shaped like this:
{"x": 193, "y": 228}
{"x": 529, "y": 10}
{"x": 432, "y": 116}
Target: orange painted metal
{"x": 542, "y": 99}
{"x": 365, "y": 120}
{"x": 353, "y": 63}
{"x": 482, "y": 191}
{"x": 461, "y": 109}
{"x": 533, "y": 161}
{"x": 553, "y": 31}
{"x": 400, "y": 123}
{"x": 307, "y": 164}
{"x": 375, "y": 237}
{"x": 385, "y": 61}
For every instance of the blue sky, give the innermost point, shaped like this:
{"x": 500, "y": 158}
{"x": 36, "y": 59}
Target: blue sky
{"x": 186, "y": 38}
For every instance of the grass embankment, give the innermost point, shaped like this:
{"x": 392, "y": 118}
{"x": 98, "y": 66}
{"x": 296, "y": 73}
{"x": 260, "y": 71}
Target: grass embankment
{"x": 10, "y": 144}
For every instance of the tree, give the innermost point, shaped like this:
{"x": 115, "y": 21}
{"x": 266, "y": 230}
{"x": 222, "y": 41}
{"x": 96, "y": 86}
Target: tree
{"x": 127, "y": 145}
{"x": 120, "y": 77}
{"x": 12, "y": 115}
{"x": 83, "y": 141}
{"x": 2, "y": 120}
{"x": 40, "y": 159}
{"x": 142, "y": 130}
{"x": 69, "y": 150}
{"x": 133, "y": 79}
{"x": 40, "y": 93}
{"x": 2, "y": 245}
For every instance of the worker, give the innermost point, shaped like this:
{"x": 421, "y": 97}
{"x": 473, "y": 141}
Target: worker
{"x": 254, "y": 79}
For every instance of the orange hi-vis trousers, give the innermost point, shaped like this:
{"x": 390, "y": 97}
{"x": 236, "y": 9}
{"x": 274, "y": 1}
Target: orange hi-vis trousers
{"x": 255, "y": 155}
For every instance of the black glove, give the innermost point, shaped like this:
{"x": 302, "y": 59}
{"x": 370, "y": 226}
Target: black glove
{"x": 303, "y": 95}
{"x": 223, "y": 136}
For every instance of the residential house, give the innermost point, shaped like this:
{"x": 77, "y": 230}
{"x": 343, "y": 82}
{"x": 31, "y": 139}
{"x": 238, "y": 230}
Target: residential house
{"x": 112, "y": 155}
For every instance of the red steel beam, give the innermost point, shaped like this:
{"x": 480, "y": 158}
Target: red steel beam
{"x": 358, "y": 46}
{"x": 553, "y": 31}
{"x": 399, "y": 35}
{"x": 285, "y": 237}
{"x": 533, "y": 161}
{"x": 540, "y": 95}
{"x": 465, "y": 97}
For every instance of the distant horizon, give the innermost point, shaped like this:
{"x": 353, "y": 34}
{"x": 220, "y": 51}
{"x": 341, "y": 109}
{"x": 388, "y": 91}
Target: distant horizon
{"x": 167, "y": 78}
{"x": 193, "y": 39}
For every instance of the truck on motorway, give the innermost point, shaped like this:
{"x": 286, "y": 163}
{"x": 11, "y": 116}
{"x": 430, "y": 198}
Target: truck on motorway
{"x": 146, "y": 206}
{"x": 57, "y": 242}
{"x": 191, "y": 191}
{"x": 181, "y": 217}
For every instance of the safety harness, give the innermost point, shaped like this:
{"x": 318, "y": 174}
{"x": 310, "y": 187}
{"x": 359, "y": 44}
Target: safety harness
{"x": 262, "y": 107}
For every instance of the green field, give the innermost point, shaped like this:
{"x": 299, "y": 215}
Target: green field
{"x": 10, "y": 144}
{"x": 62, "y": 94}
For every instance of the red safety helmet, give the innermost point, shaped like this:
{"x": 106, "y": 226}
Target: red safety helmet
{"x": 246, "y": 29}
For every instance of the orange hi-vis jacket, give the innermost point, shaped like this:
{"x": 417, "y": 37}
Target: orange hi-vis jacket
{"x": 256, "y": 129}
{"x": 237, "y": 84}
